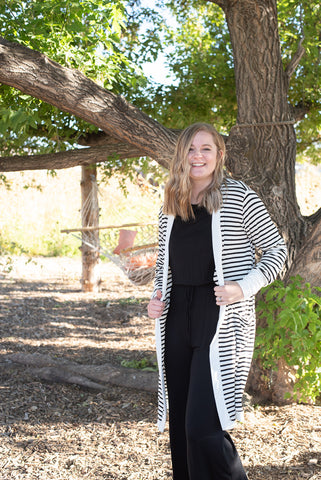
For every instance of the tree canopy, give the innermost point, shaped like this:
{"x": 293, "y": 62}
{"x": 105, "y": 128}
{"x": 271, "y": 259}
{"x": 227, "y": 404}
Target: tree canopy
{"x": 110, "y": 42}
{"x": 82, "y": 35}
{"x": 199, "y": 56}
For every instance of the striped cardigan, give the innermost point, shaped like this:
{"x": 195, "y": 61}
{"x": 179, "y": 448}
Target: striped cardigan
{"x": 240, "y": 228}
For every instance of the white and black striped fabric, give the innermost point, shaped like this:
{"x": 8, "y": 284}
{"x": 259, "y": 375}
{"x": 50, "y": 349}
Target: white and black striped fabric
{"x": 240, "y": 228}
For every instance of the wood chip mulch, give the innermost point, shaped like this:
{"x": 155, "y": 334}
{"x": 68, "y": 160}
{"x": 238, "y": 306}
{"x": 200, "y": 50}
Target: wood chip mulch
{"x": 62, "y": 432}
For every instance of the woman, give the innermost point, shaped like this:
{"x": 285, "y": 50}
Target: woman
{"x": 203, "y": 303}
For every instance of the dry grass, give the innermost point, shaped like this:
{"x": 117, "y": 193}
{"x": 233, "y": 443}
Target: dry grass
{"x": 33, "y": 217}
{"x": 308, "y": 187}
{"x": 53, "y": 431}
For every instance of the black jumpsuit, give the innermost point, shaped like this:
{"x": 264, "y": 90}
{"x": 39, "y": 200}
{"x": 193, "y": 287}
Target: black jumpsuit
{"x": 200, "y": 449}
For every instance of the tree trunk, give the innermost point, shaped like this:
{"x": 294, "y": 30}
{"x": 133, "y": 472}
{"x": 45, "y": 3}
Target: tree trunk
{"x": 90, "y": 240}
{"x": 262, "y": 145}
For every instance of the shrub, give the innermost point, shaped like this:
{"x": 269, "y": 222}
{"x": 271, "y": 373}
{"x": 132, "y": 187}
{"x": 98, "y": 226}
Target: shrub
{"x": 291, "y": 317}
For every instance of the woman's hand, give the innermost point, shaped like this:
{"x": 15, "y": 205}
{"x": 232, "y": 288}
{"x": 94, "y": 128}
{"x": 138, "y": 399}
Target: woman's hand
{"x": 156, "y": 306}
{"x": 229, "y": 293}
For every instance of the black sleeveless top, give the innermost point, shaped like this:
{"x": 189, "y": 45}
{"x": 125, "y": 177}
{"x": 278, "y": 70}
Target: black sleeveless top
{"x": 190, "y": 249}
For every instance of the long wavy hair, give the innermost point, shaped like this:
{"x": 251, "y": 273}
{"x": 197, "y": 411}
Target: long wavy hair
{"x": 178, "y": 189}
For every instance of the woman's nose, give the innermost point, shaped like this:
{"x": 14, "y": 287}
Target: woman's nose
{"x": 197, "y": 153}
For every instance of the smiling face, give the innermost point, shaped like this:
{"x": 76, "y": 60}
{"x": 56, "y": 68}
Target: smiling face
{"x": 202, "y": 158}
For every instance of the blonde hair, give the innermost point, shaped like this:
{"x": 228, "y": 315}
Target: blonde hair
{"x": 178, "y": 189}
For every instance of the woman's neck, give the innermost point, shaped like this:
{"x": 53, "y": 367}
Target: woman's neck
{"x": 197, "y": 188}
{"x": 195, "y": 200}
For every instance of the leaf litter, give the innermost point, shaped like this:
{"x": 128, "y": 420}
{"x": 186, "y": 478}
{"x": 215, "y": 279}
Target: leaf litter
{"x": 63, "y": 432}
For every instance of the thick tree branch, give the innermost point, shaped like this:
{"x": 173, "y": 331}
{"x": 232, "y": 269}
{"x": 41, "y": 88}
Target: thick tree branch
{"x": 300, "y": 110}
{"x": 102, "y": 138}
{"x": 71, "y": 158}
{"x": 220, "y": 3}
{"x": 71, "y": 91}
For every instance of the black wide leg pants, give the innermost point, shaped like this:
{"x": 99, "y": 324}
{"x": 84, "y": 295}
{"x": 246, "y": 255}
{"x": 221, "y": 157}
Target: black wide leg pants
{"x": 200, "y": 449}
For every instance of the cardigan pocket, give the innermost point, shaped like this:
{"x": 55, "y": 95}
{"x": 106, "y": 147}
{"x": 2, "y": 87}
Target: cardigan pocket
{"x": 244, "y": 327}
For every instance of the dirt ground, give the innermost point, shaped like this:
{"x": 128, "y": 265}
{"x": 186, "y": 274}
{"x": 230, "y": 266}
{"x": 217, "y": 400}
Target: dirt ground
{"x": 64, "y": 432}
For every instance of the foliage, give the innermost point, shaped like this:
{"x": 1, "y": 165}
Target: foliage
{"x": 110, "y": 42}
{"x": 85, "y": 35}
{"x": 6, "y": 261}
{"x": 58, "y": 245}
{"x": 4, "y": 182}
{"x": 292, "y": 331}
{"x": 7, "y": 251}
{"x": 143, "y": 364}
{"x": 300, "y": 21}
{"x": 131, "y": 169}
{"x": 199, "y": 59}
{"x": 11, "y": 247}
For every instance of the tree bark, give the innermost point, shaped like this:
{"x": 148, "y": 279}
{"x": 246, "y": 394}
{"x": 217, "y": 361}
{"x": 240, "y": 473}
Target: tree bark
{"x": 70, "y": 158}
{"x": 69, "y": 90}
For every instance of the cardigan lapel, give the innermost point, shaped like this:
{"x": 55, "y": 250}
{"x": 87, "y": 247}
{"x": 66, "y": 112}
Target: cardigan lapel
{"x": 170, "y": 221}
{"x": 217, "y": 246}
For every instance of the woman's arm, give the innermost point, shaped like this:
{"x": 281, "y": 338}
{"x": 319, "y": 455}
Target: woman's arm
{"x": 265, "y": 237}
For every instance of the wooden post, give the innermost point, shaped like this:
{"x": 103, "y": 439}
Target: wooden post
{"x": 90, "y": 240}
